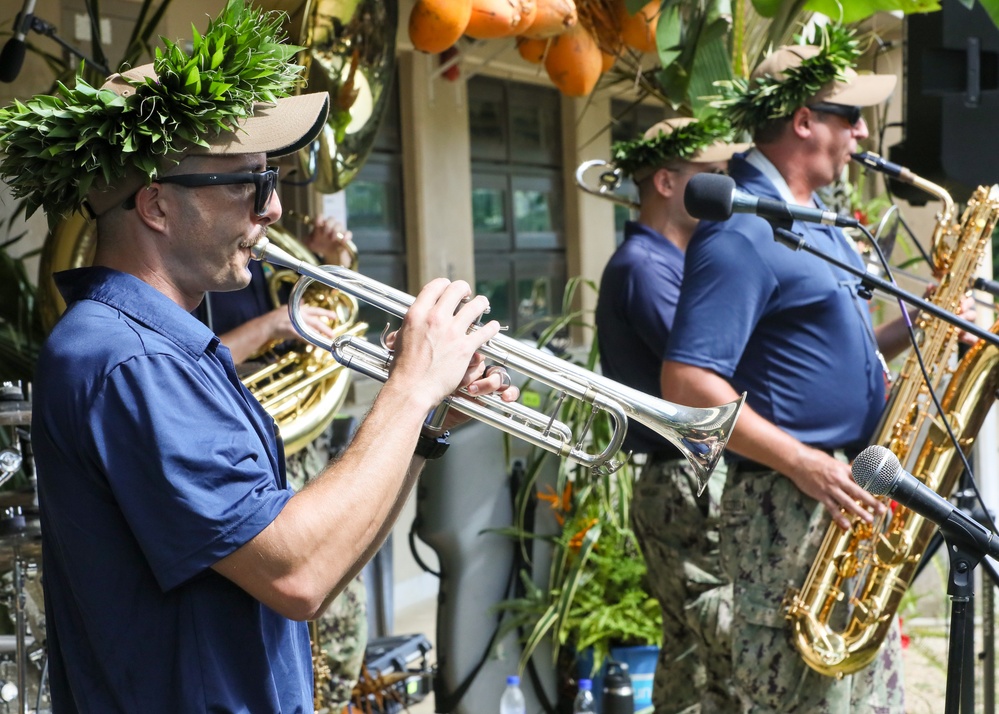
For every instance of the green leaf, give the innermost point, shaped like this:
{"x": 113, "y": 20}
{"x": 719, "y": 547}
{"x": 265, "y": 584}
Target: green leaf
{"x": 767, "y": 8}
{"x": 857, "y": 10}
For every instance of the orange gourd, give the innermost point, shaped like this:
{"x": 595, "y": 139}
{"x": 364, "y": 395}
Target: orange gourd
{"x": 607, "y": 61}
{"x": 553, "y": 17}
{"x": 435, "y": 25}
{"x": 493, "y": 18}
{"x": 532, "y": 50}
{"x": 528, "y": 13}
{"x": 639, "y": 30}
{"x": 574, "y": 62}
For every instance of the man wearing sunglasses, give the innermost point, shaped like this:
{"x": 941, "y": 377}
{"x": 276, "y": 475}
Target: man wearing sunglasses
{"x": 790, "y": 330}
{"x": 676, "y": 530}
{"x": 179, "y": 568}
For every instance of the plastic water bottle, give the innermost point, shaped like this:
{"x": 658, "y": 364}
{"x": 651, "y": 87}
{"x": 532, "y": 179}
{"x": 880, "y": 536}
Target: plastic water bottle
{"x": 585, "y": 703}
{"x": 512, "y": 701}
{"x": 619, "y": 698}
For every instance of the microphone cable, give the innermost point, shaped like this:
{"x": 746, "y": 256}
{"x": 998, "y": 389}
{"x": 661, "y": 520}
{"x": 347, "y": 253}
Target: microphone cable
{"x": 926, "y": 379}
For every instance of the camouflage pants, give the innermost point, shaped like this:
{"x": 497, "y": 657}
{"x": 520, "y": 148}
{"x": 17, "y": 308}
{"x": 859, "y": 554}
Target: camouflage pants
{"x": 771, "y": 533}
{"x": 343, "y": 628}
{"x": 678, "y": 534}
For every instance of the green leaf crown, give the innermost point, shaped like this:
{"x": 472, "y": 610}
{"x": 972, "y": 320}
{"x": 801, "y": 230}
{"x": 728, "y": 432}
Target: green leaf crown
{"x": 750, "y": 104}
{"x": 683, "y": 142}
{"x": 58, "y": 146}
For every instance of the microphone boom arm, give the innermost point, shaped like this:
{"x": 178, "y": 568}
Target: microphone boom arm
{"x": 796, "y": 242}
{"x": 42, "y": 27}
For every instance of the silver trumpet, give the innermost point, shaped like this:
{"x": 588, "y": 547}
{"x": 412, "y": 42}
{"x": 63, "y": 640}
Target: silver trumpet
{"x": 701, "y": 434}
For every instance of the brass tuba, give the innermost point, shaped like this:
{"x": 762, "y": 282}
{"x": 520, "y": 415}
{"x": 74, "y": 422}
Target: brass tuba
{"x": 844, "y": 609}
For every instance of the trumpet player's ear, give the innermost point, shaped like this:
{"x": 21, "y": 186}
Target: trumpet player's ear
{"x": 148, "y": 206}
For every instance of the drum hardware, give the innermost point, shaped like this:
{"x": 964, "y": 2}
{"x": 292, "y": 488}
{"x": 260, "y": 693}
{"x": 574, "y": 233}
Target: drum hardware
{"x": 15, "y": 412}
{"x": 10, "y": 463}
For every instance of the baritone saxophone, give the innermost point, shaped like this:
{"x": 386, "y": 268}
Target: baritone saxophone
{"x": 847, "y": 603}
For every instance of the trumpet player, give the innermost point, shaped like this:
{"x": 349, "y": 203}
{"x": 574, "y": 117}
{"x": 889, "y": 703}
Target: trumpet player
{"x": 677, "y": 532}
{"x": 246, "y": 322}
{"x": 179, "y": 568}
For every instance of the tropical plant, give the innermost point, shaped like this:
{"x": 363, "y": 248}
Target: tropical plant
{"x": 700, "y": 42}
{"x": 595, "y": 594}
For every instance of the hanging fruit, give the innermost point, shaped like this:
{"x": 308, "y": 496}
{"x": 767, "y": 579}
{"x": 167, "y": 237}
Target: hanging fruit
{"x": 435, "y": 25}
{"x": 639, "y": 30}
{"x": 528, "y": 13}
{"x": 532, "y": 50}
{"x": 493, "y": 18}
{"x": 574, "y": 62}
{"x": 552, "y": 18}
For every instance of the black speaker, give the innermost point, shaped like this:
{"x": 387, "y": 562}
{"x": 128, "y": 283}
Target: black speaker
{"x": 951, "y": 100}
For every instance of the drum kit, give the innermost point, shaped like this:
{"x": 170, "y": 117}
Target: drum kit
{"x": 23, "y": 681}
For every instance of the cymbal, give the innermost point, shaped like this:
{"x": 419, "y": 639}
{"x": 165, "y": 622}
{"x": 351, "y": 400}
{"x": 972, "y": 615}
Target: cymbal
{"x": 15, "y": 412}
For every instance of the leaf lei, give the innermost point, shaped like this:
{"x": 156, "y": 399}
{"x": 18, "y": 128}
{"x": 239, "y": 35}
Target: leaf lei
{"x": 681, "y": 143}
{"x": 751, "y": 104}
{"x": 57, "y": 146}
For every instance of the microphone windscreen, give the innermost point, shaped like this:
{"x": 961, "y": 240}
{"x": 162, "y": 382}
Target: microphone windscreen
{"x": 708, "y": 197}
{"x": 876, "y": 470}
{"x": 11, "y": 59}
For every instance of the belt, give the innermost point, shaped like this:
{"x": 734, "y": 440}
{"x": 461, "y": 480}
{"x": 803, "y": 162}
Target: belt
{"x": 745, "y": 466}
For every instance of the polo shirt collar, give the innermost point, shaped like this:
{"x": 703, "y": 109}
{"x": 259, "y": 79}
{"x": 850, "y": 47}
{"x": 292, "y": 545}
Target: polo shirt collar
{"x": 140, "y": 302}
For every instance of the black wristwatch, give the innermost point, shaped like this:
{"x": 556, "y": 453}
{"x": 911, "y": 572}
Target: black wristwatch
{"x": 430, "y": 447}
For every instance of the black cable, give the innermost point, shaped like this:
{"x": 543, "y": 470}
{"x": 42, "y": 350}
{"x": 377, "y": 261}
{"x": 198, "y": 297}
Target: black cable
{"x": 926, "y": 378}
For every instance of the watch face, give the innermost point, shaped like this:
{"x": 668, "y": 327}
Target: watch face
{"x": 430, "y": 447}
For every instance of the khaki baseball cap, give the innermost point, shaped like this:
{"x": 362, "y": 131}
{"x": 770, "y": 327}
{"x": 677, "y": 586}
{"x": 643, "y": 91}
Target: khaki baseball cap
{"x": 856, "y": 90}
{"x": 275, "y": 129}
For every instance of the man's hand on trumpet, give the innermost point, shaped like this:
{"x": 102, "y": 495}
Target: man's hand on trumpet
{"x": 437, "y": 353}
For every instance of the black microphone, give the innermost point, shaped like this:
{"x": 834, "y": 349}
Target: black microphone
{"x": 12, "y": 57}
{"x": 714, "y": 197}
{"x": 878, "y": 471}
{"x": 989, "y": 286}
{"x": 873, "y": 161}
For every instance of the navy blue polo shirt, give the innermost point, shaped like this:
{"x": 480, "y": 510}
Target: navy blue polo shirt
{"x": 638, "y": 295}
{"x": 787, "y": 327}
{"x": 154, "y": 463}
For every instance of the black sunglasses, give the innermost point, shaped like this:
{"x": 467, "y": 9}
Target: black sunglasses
{"x": 851, "y": 114}
{"x": 264, "y": 181}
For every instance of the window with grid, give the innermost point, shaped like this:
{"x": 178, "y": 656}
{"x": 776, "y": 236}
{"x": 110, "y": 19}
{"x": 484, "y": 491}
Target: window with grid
{"x": 517, "y": 202}
{"x": 375, "y": 210}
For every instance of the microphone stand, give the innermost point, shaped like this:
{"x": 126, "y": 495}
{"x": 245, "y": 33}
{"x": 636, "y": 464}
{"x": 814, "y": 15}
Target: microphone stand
{"x": 785, "y": 236}
{"x": 961, "y": 589}
{"x": 40, "y": 26}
